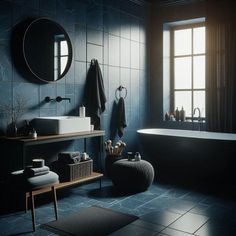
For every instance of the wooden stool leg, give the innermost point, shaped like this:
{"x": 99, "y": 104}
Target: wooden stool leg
{"x": 32, "y": 209}
{"x": 26, "y": 202}
{"x": 55, "y": 201}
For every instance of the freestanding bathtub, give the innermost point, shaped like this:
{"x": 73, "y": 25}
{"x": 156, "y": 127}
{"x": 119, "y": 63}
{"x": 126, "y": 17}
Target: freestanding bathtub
{"x": 190, "y": 155}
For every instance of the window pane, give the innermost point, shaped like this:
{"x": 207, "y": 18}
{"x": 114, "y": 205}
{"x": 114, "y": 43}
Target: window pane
{"x": 199, "y": 72}
{"x": 55, "y": 48}
{"x": 199, "y": 101}
{"x": 63, "y": 63}
{"x": 199, "y": 40}
{"x": 183, "y": 73}
{"x": 182, "y": 42}
{"x": 183, "y": 99}
{"x": 64, "y": 48}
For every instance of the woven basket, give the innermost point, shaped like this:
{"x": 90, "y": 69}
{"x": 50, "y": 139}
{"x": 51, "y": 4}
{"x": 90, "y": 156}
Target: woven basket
{"x": 69, "y": 172}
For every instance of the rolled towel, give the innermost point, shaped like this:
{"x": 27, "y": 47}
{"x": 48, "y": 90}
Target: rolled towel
{"x": 29, "y": 171}
{"x": 38, "y": 163}
{"x": 69, "y": 157}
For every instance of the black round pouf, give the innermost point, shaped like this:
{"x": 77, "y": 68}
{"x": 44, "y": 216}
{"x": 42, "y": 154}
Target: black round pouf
{"x": 132, "y": 176}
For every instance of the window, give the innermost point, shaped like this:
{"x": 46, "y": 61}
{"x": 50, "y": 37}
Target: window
{"x": 188, "y": 68}
{"x": 60, "y": 55}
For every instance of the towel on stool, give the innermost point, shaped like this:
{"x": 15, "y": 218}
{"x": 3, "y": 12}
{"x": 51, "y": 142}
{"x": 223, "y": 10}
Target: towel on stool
{"x": 69, "y": 157}
{"x": 121, "y": 117}
{"x": 29, "y": 171}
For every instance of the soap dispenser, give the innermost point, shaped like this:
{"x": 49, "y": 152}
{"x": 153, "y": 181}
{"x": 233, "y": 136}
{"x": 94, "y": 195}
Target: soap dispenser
{"x": 82, "y": 111}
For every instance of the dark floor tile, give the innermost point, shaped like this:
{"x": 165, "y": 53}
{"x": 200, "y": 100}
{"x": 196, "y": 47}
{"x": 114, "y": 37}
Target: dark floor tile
{"x": 157, "y": 208}
{"x": 148, "y": 225}
{"x": 217, "y": 228}
{"x": 131, "y": 203}
{"x": 133, "y": 230}
{"x": 189, "y": 222}
{"x": 215, "y": 211}
{"x": 166, "y": 203}
{"x": 164, "y": 218}
{"x": 194, "y": 196}
{"x": 145, "y": 196}
{"x": 173, "y": 232}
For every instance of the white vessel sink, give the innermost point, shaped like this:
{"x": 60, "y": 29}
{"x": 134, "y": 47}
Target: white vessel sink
{"x": 61, "y": 124}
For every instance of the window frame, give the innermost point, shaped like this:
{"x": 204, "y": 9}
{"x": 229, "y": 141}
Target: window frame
{"x": 172, "y": 67}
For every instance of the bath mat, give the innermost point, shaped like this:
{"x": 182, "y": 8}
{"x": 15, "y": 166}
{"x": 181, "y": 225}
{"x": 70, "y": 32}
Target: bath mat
{"x": 91, "y": 221}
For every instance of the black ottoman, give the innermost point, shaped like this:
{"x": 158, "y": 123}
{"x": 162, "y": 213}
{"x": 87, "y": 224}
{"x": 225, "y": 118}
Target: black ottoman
{"x": 132, "y": 176}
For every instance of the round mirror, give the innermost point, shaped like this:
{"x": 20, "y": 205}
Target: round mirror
{"x": 47, "y": 50}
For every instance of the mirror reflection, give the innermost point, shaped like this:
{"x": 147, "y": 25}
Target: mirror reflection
{"x": 47, "y": 50}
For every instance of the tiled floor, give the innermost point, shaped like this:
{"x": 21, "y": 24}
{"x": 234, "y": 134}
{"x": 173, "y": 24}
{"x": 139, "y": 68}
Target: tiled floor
{"x": 162, "y": 210}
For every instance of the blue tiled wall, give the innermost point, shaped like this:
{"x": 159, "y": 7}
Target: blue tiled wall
{"x": 114, "y": 32}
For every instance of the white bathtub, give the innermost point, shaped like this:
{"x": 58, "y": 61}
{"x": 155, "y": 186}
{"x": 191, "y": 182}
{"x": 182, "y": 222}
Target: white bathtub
{"x": 190, "y": 155}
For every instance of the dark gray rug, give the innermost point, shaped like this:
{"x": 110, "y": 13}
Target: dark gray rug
{"x": 94, "y": 221}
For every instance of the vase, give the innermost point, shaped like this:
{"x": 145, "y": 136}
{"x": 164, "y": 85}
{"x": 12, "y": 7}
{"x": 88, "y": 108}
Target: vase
{"x": 109, "y": 160}
{"x": 12, "y": 130}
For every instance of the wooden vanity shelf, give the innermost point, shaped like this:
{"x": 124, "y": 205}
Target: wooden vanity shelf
{"x": 25, "y": 142}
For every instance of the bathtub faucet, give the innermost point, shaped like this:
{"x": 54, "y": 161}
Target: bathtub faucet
{"x": 199, "y": 117}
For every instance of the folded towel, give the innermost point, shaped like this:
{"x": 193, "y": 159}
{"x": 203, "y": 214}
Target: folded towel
{"x": 69, "y": 157}
{"x": 121, "y": 117}
{"x": 29, "y": 171}
{"x": 69, "y": 154}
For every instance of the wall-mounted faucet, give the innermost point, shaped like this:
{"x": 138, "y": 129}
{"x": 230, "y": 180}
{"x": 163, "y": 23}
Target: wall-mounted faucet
{"x": 199, "y": 117}
{"x": 48, "y": 99}
{"x": 59, "y": 99}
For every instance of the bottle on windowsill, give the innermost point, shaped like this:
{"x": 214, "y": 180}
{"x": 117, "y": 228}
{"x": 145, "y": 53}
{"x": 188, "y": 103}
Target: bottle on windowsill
{"x": 167, "y": 116}
{"x": 182, "y": 114}
{"x": 177, "y": 114}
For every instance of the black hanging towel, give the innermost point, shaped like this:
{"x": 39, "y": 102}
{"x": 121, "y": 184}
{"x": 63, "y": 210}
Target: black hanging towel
{"x": 95, "y": 97}
{"x": 121, "y": 117}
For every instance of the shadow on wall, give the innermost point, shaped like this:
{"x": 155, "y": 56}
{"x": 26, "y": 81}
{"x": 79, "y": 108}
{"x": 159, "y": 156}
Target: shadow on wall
{"x": 113, "y": 122}
{"x": 17, "y": 50}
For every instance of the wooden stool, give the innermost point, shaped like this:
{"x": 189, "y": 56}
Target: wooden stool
{"x": 36, "y": 185}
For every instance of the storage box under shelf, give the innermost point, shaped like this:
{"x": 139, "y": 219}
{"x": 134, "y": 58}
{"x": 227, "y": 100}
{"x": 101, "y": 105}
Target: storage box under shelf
{"x": 69, "y": 172}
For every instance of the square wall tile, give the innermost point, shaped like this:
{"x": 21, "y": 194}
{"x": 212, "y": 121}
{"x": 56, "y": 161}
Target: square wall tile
{"x": 124, "y": 52}
{"x": 111, "y": 21}
{"x": 80, "y": 72}
{"x": 28, "y": 93}
{"x": 105, "y": 48}
{"x": 114, "y": 50}
{"x": 47, "y": 90}
{"x": 5, "y": 19}
{"x": 142, "y": 56}
{"x": 80, "y": 43}
{"x": 94, "y": 52}
{"x": 95, "y": 16}
{"x": 134, "y": 24}
{"x": 95, "y": 36}
{"x": 5, "y": 63}
{"x": 125, "y": 28}
{"x": 134, "y": 55}
{"x": 6, "y": 93}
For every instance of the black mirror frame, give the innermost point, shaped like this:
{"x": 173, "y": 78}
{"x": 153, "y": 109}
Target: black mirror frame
{"x": 70, "y": 51}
